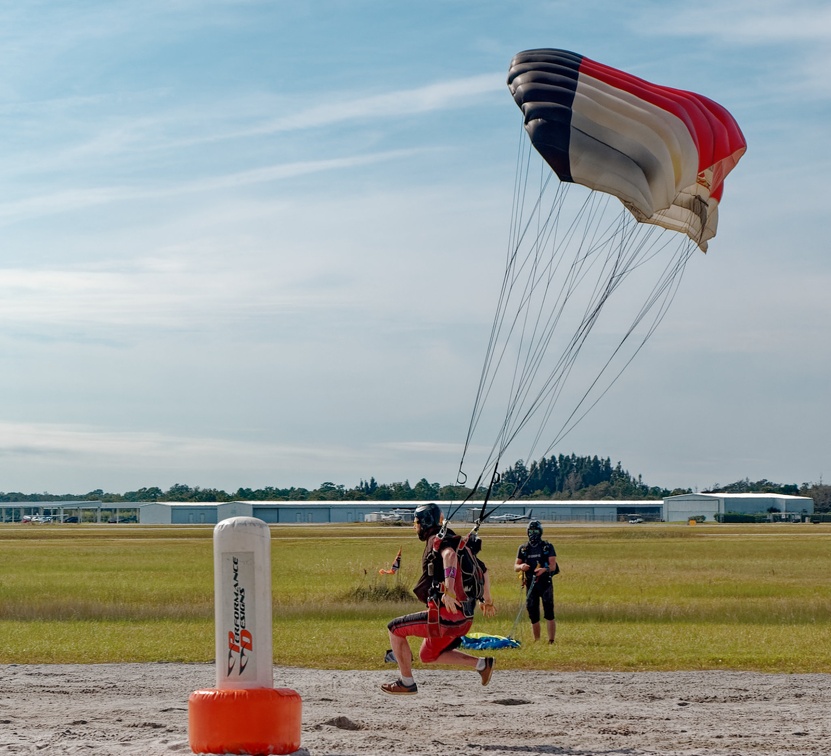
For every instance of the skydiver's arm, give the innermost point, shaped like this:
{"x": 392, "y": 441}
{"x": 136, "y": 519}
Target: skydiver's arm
{"x": 543, "y": 567}
{"x": 451, "y": 566}
{"x": 547, "y": 565}
{"x": 487, "y": 607}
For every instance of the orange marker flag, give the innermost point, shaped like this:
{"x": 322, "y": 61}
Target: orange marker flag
{"x": 395, "y": 565}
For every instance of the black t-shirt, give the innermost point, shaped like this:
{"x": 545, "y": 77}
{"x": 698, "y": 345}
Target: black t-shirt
{"x": 537, "y": 555}
{"x": 425, "y": 583}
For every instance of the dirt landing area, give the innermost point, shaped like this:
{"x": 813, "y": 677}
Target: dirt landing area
{"x": 132, "y": 709}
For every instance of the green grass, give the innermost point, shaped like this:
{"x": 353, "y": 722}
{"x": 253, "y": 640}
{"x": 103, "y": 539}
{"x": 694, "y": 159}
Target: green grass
{"x": 646, "y": 597}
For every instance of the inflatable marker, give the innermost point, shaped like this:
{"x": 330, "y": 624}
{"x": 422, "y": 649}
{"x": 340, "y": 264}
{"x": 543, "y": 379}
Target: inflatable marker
{"x": 245, "y": 713}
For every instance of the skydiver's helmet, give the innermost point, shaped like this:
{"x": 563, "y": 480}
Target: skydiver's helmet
{"x": 534, "y": 532}
{"x": 428, "y": 518}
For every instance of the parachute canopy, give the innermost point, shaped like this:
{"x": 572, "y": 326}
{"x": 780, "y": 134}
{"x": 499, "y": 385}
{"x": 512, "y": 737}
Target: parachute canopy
{"x": 594, "y": 261}
{"x": 663, "y": 152}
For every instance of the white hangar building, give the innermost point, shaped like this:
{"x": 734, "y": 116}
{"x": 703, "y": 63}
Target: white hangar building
{"x": 672, "y": 509}
{"x": 686, "y": 506}
{"x": 274, "y": 512}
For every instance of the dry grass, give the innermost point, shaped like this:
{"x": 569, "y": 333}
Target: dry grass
{"x": 629, "y": 597}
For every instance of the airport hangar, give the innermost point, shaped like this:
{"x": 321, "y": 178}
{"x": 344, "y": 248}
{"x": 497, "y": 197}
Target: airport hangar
{"x": 672, "y": 509}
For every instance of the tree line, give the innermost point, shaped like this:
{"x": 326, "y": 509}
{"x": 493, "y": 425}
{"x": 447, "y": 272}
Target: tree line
{"x": 556, "y": 477}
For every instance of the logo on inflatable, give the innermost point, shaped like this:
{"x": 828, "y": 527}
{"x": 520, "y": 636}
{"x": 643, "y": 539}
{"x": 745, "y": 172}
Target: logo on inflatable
{"x": 240, "y": 639}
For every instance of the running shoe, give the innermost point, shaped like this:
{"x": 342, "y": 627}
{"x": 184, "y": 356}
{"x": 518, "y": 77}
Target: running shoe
{"x": 486, "y": 673}
{"x": 398, "y": 688}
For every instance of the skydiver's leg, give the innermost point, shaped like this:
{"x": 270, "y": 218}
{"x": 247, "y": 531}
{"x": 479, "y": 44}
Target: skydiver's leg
{"x": 548, "y": 612}
{"x": 452, "y": 655}
{"x": 533, "y": 606}
{"x": 403, "y": 654}
{"x": 400, "y": 629}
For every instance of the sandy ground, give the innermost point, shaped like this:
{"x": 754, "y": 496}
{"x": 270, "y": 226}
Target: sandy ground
{"x": 125, "y": 709}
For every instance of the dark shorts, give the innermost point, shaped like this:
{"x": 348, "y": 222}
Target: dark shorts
{"x": 439, "y": 636}
{"x": 544, "y": 593}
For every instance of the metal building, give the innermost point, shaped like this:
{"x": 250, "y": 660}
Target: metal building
{"x": 273, "y": 512}
{"x": 708, "y": 505}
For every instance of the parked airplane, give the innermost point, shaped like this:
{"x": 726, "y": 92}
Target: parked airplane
{"x": 37, "y": 518}
{"x": 390, "y": 515}
{"x": 511, "y": 517}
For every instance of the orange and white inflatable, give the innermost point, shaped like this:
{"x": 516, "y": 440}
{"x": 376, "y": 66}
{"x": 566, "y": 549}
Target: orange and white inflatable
{"x": 245, "y": 713}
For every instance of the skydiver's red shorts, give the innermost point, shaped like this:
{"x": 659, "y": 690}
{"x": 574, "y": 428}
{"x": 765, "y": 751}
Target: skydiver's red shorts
{"x": 438, "y": 636}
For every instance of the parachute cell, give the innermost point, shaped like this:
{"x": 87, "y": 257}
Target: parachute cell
{"x": 663, "y": 152}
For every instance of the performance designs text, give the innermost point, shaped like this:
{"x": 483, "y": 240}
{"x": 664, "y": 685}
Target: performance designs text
{"x": 240, "y": 640}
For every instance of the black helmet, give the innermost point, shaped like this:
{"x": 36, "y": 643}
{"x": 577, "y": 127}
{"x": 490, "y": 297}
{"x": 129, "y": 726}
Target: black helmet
{"x": 534, "y": 531}
{"x": 428, "y": 517}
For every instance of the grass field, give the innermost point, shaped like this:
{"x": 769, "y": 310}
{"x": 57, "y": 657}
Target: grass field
{"x": 642, "y": 597}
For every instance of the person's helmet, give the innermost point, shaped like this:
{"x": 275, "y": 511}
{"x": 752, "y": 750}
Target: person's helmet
{"x": 428, "y": 517}
{"x": 534, "y": 531}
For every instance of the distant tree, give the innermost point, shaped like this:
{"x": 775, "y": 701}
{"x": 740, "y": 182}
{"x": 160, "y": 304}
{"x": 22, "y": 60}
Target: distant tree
{"x": 424, "y": 491}
{"x": 368, "y": 489}
{"x": 759, "y": 486}
{"x": 820, "y": 493}
{"x": 154, "y": 493}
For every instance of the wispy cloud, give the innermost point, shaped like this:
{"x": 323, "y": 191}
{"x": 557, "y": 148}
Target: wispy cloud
{"x": 338, "y": 109}
{"x": 169, "y": 458}
{"x": 796, "y": 33}
{"x": 79, "y": 199}
{"x": 780, "y": 22}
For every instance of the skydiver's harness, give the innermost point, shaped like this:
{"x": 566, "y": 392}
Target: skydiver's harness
{"x": 468, "y": 578}
{"x": 534, "y": 562}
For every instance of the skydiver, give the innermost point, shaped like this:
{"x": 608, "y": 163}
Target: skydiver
{"x": 538, "y": 558}
{"x": 449, "y": 613}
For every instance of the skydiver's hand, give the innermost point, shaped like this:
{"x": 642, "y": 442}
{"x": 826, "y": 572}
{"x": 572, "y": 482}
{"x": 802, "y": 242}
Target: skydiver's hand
{"x": 540, "y": 571}
{"x": 488, "y": 609}
{"x": 450, "y": 602}
{"x": 525, "y": 567}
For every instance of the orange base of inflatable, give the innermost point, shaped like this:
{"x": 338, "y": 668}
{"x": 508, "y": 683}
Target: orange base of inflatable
{"x": 252, "y": 721}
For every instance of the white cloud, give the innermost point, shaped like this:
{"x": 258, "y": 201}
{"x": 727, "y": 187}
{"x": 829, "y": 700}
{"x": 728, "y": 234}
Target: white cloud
{"x": 122, "y": 460}
{"x": 337, "y": 109}
{"x": 794, "y": 34}
{"x": 755, "y": 22}
{"x": 79, "y": 199}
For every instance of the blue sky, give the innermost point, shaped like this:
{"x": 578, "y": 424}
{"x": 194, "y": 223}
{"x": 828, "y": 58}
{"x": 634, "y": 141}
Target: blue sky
{"x": 260, "y": 243}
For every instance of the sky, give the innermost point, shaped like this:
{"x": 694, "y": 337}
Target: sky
{"x": 255, "y": 243}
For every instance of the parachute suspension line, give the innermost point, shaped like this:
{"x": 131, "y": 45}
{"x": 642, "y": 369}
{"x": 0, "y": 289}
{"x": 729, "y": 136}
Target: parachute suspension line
{"x": 494, "y": 359}
{"x": 508, "y": 282}
{"x": 603, "y": 251}
{"x": 523, "y": 603}
{"x": 536, "y": 275}
{"x": 536, "y": 344}
{"x": 519, "y": 184}
{"x": 518, "y": 232}
{"x": 663, "y": 295}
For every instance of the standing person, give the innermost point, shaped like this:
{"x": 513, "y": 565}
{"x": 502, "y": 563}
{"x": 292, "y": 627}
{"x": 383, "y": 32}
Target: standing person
{"x": 537, "y": 561}
{"x": 450, "y": 587}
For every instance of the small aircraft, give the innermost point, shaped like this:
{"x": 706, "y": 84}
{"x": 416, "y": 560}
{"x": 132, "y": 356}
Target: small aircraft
{"x": 390, "y": 515}
{"x": 37, "y": 518}
{"x": 512, "y": 517}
